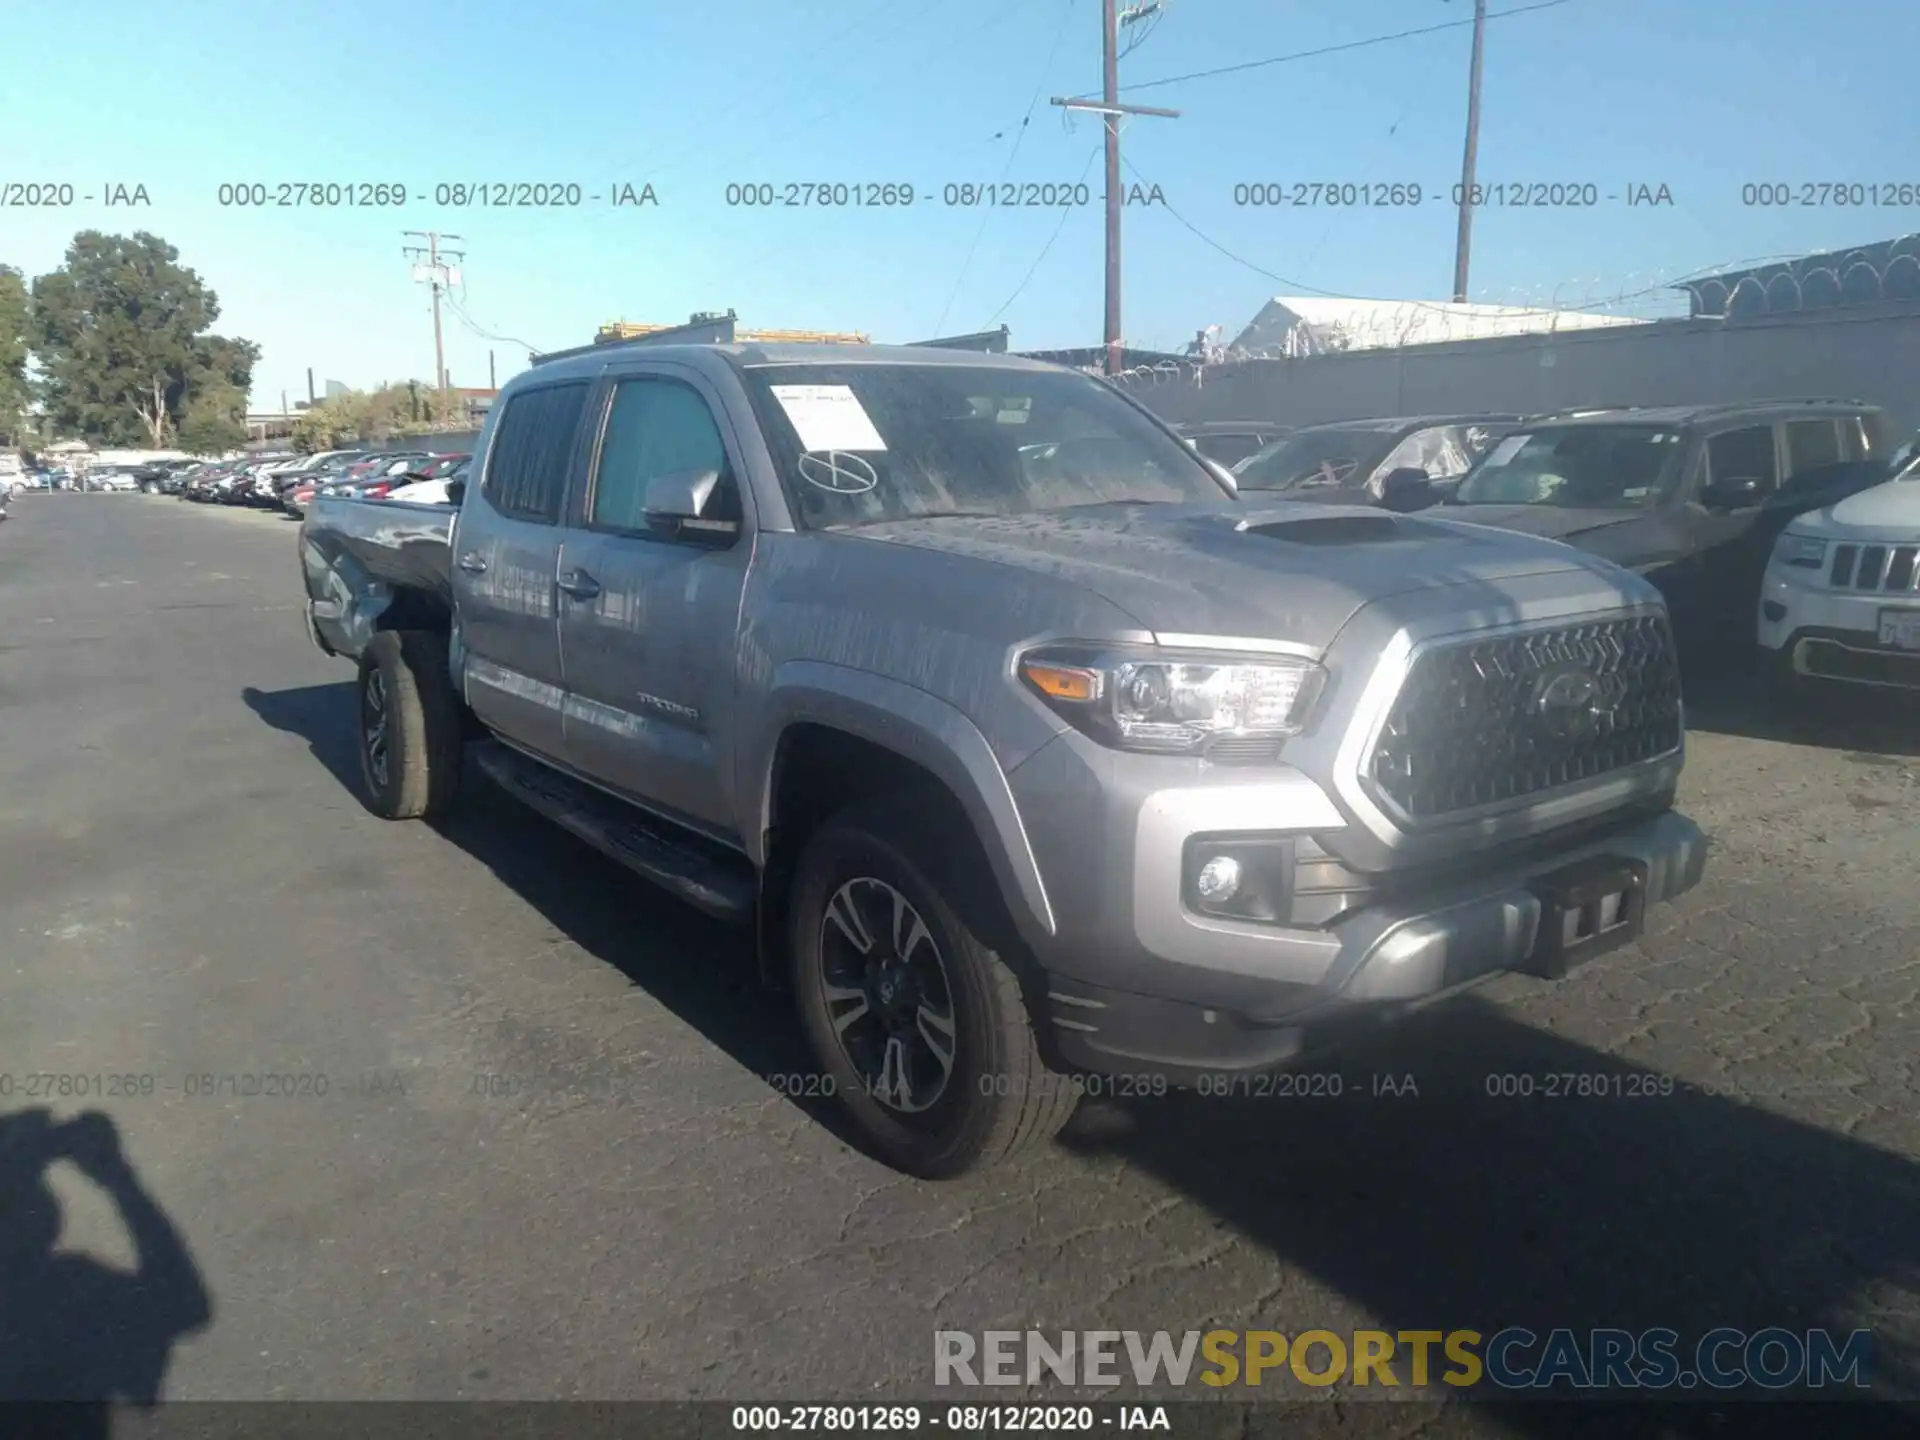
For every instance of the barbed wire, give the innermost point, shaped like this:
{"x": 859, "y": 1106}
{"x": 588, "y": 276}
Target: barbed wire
{"x": 1864, "y": 275}
{"x": 1735, "y": 290}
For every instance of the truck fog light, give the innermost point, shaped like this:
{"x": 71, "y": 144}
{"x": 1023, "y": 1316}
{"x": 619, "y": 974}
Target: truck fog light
{"x": 1218, "y": 880}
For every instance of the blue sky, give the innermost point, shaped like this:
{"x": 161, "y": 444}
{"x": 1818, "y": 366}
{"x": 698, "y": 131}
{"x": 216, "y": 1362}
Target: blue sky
{"x": 1699, "y": 95}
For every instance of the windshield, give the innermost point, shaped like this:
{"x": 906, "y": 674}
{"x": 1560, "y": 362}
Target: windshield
{"x": 1576, "y": 467}
{"x": 864, "y": 443}
{"x": 1312, "y": 460}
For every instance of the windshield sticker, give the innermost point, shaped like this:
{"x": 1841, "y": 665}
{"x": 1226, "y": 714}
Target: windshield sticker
{"x": 828, "y": 417}
{"x": 838, "y": 472}
{"x": 1505, "y": 450}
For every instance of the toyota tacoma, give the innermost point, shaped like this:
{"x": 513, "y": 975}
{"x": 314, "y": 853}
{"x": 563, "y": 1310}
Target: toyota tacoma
{"x": 1025, "y": 748}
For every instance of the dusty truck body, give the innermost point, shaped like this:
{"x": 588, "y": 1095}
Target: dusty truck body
{"x": 1028, "y": 749}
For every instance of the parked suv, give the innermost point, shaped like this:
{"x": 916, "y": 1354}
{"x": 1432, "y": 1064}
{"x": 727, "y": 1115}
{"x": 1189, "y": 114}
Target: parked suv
{"x": 1841, "y": 598}
{"x": 1693, "y": 497}
{"x": 1026, "y": 749}
{"x": 1403, "y": 463}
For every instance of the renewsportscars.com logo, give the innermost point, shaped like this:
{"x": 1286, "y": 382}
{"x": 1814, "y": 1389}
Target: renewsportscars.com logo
{"x": 1511, "y": 1359}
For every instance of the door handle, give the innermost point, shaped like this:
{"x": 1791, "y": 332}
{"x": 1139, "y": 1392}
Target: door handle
{"x": 473, "y": 563}
{"x": 579, "y": 584}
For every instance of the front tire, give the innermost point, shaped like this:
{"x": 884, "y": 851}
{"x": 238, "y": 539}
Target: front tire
{"x": 919, "y": 1027}
{"x": 410, "y": 726}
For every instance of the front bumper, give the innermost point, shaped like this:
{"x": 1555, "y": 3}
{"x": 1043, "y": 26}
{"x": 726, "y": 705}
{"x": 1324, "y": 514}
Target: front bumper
{"x": 1834, "y": 634}
{"x": 1140, "y": 981}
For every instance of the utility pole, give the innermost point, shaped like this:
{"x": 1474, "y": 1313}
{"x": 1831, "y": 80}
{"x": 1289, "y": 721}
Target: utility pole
{"x": 309, "y": 387}
{"x": 1110, "y": 106}
{"x": 1463, "y": 243}
{"x": 430, "y": 265}
{"x": 492, "y": 384}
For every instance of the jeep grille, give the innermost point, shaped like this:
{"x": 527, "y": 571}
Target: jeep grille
{"x": 1481, "y": 722}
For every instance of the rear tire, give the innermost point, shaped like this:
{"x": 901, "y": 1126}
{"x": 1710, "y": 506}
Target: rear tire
{"x": 410, "y": 725}
{"x": 877, "y": 1018}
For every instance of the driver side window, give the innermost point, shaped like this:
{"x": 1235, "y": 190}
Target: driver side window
{"x": 654, "y": 428}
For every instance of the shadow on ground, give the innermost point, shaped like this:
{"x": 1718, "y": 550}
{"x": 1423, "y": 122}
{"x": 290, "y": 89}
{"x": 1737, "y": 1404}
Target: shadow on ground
{"x": 589, "y": 898}
{"x": 1425, "y": 1199}
{"x": 1729, "y": 698}
{"x": 77, "y": 1335}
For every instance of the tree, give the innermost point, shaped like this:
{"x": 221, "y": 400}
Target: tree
{"x": 406, "y": 408}
{"x": 119, "y": 334}
{"x": 215, "y": 420}
{"x": 16, "y": 392}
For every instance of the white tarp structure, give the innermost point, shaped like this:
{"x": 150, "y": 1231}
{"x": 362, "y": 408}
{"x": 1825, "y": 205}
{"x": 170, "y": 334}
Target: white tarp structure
{"x": 1289, "y": 326}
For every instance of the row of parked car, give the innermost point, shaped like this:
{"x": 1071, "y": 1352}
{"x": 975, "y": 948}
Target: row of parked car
{"x": 124, "y": 479}
{"x": 290, "y": 482}
{"x": 1741, "y": 514}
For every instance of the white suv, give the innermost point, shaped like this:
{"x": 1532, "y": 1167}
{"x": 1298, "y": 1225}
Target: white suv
{"x": 1841, "y": 599}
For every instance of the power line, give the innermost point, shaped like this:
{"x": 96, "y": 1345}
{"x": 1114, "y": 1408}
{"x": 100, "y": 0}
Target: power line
{"x": 986, "y": 218}
{"x": 1153, "y": 11}
{"x": 1065, "y": 211}
{"x": 460, "y": 314}
{"x": 1111, "y": 108}
{"x": 436, "y": 272}
{"x": 1333, "y": 49}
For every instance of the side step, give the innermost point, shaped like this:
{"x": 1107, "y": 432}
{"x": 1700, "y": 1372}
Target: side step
{"x": 690, "y": 867}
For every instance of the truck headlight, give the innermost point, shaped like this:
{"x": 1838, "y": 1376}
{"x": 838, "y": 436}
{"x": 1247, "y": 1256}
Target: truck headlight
{"x": 1803, "y": 552}
{"x": 1172, "y": 703}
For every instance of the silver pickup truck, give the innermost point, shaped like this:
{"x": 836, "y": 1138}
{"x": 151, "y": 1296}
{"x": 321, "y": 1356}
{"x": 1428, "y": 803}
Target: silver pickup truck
{"x": 1029, "y": 751}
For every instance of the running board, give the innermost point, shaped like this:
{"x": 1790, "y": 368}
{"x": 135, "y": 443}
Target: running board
{"x": 692, "y": 869}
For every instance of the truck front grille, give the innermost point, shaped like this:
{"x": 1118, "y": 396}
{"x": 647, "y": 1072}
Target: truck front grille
{"x": 1483, "y": 722}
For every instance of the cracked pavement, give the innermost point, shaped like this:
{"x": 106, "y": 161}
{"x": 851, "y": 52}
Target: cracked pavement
{"x": 564, "y": 1150}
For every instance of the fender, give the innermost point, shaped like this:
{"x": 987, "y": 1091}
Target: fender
{"x": 344, "y": 601}
{"x": 919, "y": 727}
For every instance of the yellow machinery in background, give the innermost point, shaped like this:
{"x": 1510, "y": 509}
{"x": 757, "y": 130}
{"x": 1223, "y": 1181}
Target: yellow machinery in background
{"x": 621, "y": 330}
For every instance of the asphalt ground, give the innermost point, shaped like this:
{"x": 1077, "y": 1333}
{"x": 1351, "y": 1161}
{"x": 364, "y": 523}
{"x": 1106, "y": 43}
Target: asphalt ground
{"x": 463, "y": 1111}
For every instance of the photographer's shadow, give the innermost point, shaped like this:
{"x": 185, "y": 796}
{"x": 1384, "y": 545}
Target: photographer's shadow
{"x": 72, "y": 1328}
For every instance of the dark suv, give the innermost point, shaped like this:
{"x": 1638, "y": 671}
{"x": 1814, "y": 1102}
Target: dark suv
{"x": 1402, "y": 463}
{"x": 1692, "y": 497}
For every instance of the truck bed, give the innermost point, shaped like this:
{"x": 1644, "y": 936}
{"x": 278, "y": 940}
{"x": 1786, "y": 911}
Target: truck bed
{"x": 357, "y": 555}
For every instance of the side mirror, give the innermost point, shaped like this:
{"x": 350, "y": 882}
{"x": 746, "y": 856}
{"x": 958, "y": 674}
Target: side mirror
{"x": 1407, "y": 488}
{"x": 678, "y": 502}
{"x": 1737, "y": 492}
{"x": 456, "y": 492}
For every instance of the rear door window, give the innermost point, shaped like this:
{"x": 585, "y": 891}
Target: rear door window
{"x": 1855, "y": 444}
{"x": 1812, "y": 444}
{"x": 527, "y": 469}
{"x": 1744, "y": 455}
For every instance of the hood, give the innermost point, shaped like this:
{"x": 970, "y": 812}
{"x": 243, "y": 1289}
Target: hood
{"x": 1555, "y": 522}
{"x": 1893, "y": 507}
{"x": 1281, "y": 570}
